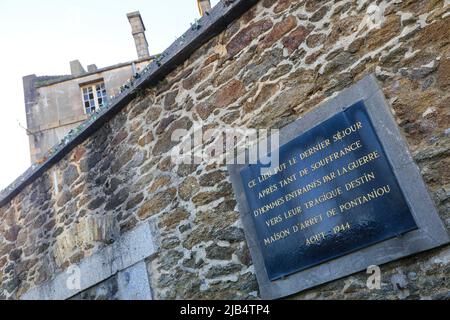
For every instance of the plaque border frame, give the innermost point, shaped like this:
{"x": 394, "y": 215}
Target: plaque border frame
{"x": 430, "y": 234}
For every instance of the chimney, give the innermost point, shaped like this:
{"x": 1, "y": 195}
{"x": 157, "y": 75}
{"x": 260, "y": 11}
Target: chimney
{"x": 76, "y": 69}
{"x": 92, "y": 68}
{"x": 203, "y": 6}
{"x": 138, "y": 31}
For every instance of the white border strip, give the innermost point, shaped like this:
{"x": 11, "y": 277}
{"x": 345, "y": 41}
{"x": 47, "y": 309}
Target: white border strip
{"x": 129, "y": 249}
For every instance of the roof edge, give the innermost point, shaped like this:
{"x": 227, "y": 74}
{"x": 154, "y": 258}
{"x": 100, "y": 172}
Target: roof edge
{"x": 99, "y": 70}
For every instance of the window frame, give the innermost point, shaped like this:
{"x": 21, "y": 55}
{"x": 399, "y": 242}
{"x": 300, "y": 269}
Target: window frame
{"x": 93, "y": 93}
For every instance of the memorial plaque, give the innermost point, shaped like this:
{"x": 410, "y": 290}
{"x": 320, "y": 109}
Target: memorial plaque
{"x": 344, "y": 195}
{"x": 333, "y": 192}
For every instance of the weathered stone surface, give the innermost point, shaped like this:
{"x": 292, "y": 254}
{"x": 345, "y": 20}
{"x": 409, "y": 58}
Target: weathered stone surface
{"x": 70, "y": 175}
{"x": 11, "y": 233}
{"x": 112, "y": 185}
{"x": 152, "y": 114}
{"x": 315, "y": 40}
{"x": 140, "y": 106}
{"x": 199, "y": 76}
{"x": 78, "y": 153}
{"x": 186, "y": 169}
{"x": 339, "y": 62}
{"x": 142, "y": 183}
{"x": 436, "y": 34}
{"x": 122, "y": 160}
{"x": 319, "y": 14}
{"x": 188, "y": 188}
{"x": 165, "y": 164}
{"x": 146, "y": 139}
{"x": 356, "y": 45}
{"x": 205, "y": 197}
{"x": 218, "y": 271}
{"x": 342, "y": 28}
{"x": 193, "y": 262}
{"x": 212, "y": 178}
{"x": 268, "y": 3}
{"x": 216, "y": 252}
{"x": 266, "y": 93}
{"x": 278, "y": 30}
{"x": 197, "y": 236}
{"x": 258, "y": 69}
{"x": 230, "y": 234}
{"x": 96, "y": 203}
{"x": 165, "y": 143}
{"x": 159, "y": 183}
{"x": 170, "y": 259}
{"x": 225, "y": 96}
{"x": 164, "y": 123}
{"x": 119, "y": 137}
{"x": 281, "y": 105}
{"x": 293, "y": 40}
{"x": 243, "y": 255}
{"x": 173, "y": 218}
{"x": 231, "y": 117}
{"x": 244, "y": 37}
{"x": 389, "y": 29}
{"x": 157, "y": 203}
{"x": 170, "y": 243}
{"x": 282, "y": 5}
{"x": 134, "y": 201}
{"x": 443, "y": 75}
{"x": 280, "y": 71}
{"x": 64, "y": 198}
{"x": 15, "y": 254}
{"x": 212, "y": 58}
{"x": 170, "y": 100}
{"x": 117, "y": 199}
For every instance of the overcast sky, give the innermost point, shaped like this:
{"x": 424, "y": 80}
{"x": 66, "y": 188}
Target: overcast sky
{"x": 41, "y": 37}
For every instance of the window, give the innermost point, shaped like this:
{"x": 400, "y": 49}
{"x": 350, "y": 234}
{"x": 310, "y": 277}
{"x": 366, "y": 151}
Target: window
{"x": 101, "y": 94}
{"x": 94, "y": 97}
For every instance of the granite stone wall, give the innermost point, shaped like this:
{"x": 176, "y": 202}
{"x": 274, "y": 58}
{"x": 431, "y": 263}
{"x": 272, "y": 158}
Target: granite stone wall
{"x": 271, "y": 66}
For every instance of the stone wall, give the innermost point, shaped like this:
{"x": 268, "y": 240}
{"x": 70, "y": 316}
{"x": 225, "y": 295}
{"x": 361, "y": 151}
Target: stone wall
{"x": 269, "y": 67}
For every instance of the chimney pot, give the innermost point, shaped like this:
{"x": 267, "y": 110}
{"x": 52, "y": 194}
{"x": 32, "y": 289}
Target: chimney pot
{"x": 92, "y": 68}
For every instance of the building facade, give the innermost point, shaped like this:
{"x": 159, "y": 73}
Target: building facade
{"x": 55, "y": 105}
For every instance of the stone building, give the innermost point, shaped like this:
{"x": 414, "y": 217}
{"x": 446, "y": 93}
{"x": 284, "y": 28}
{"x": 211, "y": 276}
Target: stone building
{"x": 55, "y": 105}
{"x": 111, "y": 215}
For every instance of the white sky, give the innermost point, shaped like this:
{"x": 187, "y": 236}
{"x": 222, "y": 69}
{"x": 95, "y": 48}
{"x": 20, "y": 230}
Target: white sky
{"x": 41, "y": 37}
